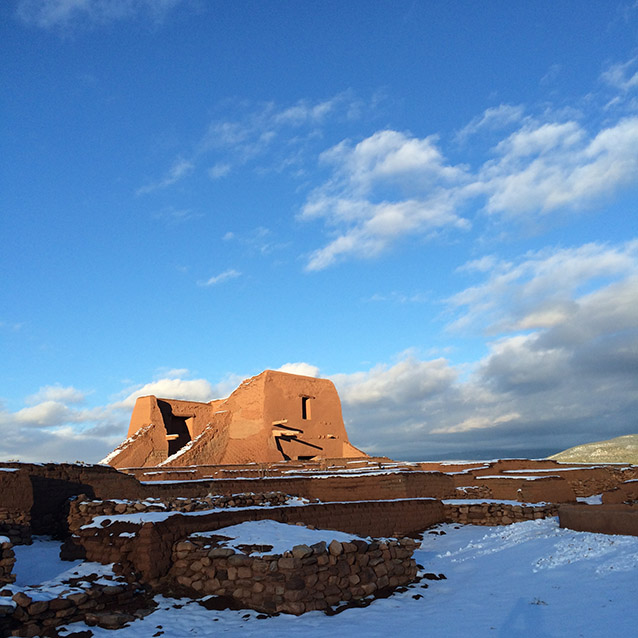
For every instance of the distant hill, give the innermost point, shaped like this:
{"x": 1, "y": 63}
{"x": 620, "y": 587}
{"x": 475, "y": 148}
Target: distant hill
{"x": 622, "y": 449}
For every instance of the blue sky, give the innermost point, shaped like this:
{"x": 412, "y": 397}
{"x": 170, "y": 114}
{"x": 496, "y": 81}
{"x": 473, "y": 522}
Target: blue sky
{"x": 432, "y": 204}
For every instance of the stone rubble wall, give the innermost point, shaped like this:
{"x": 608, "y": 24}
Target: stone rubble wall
{"x": 146, "y": 548}
{"x": 96, "y": 604}
{"x": 16, "y": 524}
{"x": 496, "y": 513}
{"x": 16, "y": 501}
{"x": 304, "y": 579}
{"x": 82, "y": 510}
{"x": 7, "y": 561}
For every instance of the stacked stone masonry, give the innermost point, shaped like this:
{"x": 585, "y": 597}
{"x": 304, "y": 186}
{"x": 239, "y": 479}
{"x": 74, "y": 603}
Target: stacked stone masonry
{"x": 96, "y": 604}
{"x": 83, "y": 511}
{"x": 145, "y": 548}
{"x": 304, "y": 579}
{"x": 16, "y": 525}
{"x": 7, "y": 561}
{"x": 496, "y": 513}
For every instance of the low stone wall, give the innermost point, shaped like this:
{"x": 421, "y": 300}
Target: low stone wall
{"x": 145, "y": 547}
{"x": 304, "y": 579}
{"x": 473, "y": 491}
{"x": 108, "y": 605}
{"x": 16, "y": 500}
{"x": 16, "y": 524}
{"x": 495, "y": 513}
{"x": 7, "y": 561}
{"x": 82, "y": 511}
{"x": 600, "y": 519}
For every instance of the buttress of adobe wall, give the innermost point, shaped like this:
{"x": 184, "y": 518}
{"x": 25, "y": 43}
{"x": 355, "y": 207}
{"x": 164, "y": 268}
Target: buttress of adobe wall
{"x": 208, "y": 447}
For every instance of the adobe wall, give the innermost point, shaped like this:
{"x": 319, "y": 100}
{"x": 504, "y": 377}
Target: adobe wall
{"x": 495, "y": 513}
{"x": 306, "y": 578}
{"x": 41, "y": 492}
{"x": 148, "y": 550}
{"x": 553, "y": 489}
{"x": 600, "y": 519}
{"x": 626, "y": 492}
{"x": 268, "y": 418}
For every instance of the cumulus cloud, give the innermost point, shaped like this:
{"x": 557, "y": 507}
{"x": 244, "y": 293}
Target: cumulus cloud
{"x": 538, "y": 290}
{"x": 560, "y": 369}
{"x": 175, "y": 388}
{"x": 67, "y": 394}
{"x": 569, "y": 377}
{"x": 48, "y": 14}
{"x": 305, "y": 369}
{"x": 53, "y": 428}
{"x": 394, "y": 184}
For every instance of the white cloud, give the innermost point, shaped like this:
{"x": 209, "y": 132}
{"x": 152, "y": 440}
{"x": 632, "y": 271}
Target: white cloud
{"x": 67, "y": 394}
{"x": 392, "y": 185}
{"x": 300, "y": 367}
{"x": 175, "y": 388}
{"x": 220, "y": 278}
{"x": 181, "y": 168}
{"x": 541, "y": 288}
{"x": 50, "y": 14}
{"x": 491, "y": 119}
{"x": 387, "y": 186}
{"x": 406, "y": 380}
{"x": 623, "y": 76}
{"x": 549, "y": 167}
{"x": 570, "y": 377}
{"x": 219, "y": 170}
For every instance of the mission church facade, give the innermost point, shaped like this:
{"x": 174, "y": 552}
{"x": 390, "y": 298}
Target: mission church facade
{"x": 271, "y": 417}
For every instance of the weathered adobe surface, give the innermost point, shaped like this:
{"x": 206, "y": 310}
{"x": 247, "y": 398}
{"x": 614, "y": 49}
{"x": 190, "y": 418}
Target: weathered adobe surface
{"x": 600, "y": 519}
{"x": 306, "y": 578}
{"x": 270, "y": 417}
{"x": 626, "y": 492}
{"x": 37, "y": 495}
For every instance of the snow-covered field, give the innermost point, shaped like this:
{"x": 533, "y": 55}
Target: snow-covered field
{"x": 526, "y": 579}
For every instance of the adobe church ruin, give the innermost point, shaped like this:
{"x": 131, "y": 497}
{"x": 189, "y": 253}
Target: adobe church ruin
{"x": 271, "y": 417}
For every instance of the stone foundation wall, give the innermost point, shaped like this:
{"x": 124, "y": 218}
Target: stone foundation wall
{"x": 16, "y": 501}
{"x": 304, "y": 579}
{"x": 16, "y": 524}
{"x": 146, "y": 548}
{"x": 102, "y": 605}
{"x": 83, "y": 511}
{"x": 496, "y": 513}
{"x": 7, "y": 561}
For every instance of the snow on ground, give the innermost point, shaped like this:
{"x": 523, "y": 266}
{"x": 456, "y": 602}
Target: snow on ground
{"x": 39, "y": 562}
{"x": 279, "y": 536}
{"x": 527, "y": 579}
